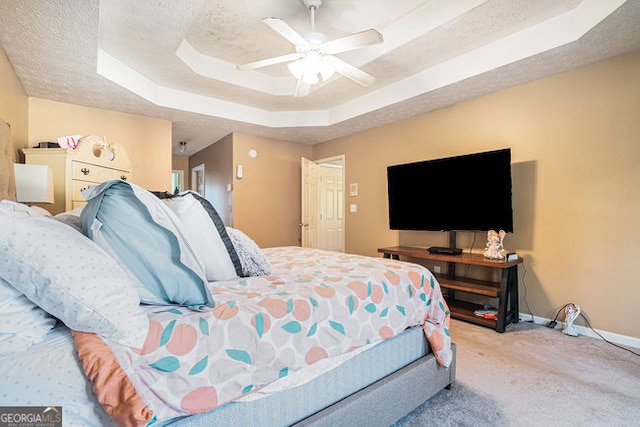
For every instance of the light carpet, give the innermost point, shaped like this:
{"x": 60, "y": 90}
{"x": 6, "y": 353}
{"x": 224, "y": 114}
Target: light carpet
{"x": 534, "y": 376}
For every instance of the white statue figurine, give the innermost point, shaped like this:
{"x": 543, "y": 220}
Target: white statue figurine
{"x": 494, "y": 248}
{"x": 571, "y": 313}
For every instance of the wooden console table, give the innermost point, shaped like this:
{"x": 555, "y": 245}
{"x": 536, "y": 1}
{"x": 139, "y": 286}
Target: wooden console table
{"x": 506, "y": 291}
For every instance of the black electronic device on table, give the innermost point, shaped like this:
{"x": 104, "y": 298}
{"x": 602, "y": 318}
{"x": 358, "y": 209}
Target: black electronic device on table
{"x": 442, "y": 250}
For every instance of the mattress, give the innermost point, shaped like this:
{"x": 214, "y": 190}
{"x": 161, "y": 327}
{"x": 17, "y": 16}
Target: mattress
{"x": 294, "y": 404}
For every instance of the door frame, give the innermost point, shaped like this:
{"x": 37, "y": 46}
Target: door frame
{"x": 341, "y": 160}
{"x": 197, "y": 179}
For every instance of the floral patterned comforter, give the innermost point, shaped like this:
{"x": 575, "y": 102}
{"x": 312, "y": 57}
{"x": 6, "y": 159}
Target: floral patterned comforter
{"x": 317, "y": 304}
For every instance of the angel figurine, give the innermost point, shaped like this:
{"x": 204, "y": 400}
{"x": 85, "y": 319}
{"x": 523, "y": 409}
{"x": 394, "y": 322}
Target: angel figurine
{"x": 494, "y": 248}
{"x": 571, "y": 313}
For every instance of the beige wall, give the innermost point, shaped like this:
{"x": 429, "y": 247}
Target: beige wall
{"x": 146, "y": 140}
{"x": 13, "y": 102}
{"x": 265, "y": 202}
{"x": 575, "y": 141}
{"x": 267, "y": 198}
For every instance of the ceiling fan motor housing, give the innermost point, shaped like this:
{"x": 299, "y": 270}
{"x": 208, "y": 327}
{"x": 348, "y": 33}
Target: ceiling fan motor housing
{"x": 312, "y": 3}
{"x": 315, "y": 38}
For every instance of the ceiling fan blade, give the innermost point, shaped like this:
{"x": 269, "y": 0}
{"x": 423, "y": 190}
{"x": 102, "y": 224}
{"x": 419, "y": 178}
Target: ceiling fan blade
{"x": 302, "y": 89}
{"x": 270, "y": 61}
{"x": 349, "y": 71}
{"x": 286, "y": 31}
{"x": 353, "y": 41}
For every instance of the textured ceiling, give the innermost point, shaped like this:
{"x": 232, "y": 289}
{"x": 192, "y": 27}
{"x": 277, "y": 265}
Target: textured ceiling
{"x": 176, "y": 60}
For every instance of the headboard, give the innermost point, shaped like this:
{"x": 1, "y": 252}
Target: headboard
{"x": 7, "y": 158}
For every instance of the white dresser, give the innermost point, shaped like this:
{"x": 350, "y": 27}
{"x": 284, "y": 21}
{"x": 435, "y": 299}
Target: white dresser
{"x": 91, "y": 162}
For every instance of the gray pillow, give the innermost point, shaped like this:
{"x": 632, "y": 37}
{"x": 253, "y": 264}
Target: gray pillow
{"x": 254, "y": 262}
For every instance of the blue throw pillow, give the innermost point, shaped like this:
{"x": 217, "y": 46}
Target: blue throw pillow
{"x": 147, "y": 239}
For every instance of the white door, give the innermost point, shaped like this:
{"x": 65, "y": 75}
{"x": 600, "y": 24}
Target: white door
{"x": 309, "y": 203}
{"x": 322, "y": 213}
{"x": 331, "y": 218}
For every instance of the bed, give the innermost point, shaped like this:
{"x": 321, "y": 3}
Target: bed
{"x": 251, "y": 336}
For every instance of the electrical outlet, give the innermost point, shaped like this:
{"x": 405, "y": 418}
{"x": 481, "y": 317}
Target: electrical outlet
{"x": 436, "y": 269}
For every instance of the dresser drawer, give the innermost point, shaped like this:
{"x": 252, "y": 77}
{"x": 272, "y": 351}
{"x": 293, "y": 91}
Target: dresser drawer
{"x": 123, "y": 175}
{"x": 98, "y": 174}
{"x": 78, "y": 186}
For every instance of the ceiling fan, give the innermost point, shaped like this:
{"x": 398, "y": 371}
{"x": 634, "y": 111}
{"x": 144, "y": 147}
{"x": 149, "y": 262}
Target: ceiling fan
{"x": 314, "y": 58}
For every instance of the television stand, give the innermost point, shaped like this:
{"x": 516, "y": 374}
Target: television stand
{"x": 506, "y": 291}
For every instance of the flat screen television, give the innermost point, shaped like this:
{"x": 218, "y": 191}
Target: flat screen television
{"x": 463, "y": 193}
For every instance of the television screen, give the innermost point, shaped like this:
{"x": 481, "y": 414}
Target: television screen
{"x": 463, "y": 193}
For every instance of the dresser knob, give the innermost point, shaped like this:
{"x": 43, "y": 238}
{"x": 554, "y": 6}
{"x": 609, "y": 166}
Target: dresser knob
{"x": 123, "y": 177}
{"x": 85, "y": 171}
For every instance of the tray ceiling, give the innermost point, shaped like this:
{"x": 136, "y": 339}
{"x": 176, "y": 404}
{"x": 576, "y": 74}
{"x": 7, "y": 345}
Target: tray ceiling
{"x": 177, "y": 60}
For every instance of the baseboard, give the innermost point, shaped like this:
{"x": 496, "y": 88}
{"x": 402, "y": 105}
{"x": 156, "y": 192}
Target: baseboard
{"x": 623, "y": 340}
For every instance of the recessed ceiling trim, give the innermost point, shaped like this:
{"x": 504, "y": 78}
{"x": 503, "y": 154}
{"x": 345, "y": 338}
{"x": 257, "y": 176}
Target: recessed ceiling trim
{"x": 214, "y": 68}
{"x": 554, "y": 32}
{"x": 590, "y": 13}
{"x": 114, "y": 70}
{"x": 119, "y": 73}
{"x": 412, "y": 26}
{"x": 539, "y": 38}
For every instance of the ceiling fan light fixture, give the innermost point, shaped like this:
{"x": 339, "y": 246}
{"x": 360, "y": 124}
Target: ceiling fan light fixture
{"x": 312, "y": 68}
{"x": 310, "y": 78}
{"x": 297, "y": 68}
{"x": 326, "y": 70}
{"x": 305, "y": 69}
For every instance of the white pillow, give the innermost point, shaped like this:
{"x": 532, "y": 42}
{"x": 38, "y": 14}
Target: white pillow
{"x": 22, "y": 323}
{"x": 70, "y": 277}
{"x": 202, "y": 235}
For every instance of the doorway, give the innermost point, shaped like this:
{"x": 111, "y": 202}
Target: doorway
{"x": 197, "y": 179}
{"x": 322, "y": 213}
{"x": 177, "y": 181}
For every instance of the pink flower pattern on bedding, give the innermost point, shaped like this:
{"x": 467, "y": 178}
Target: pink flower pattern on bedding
{"x": 317, "y": 304}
